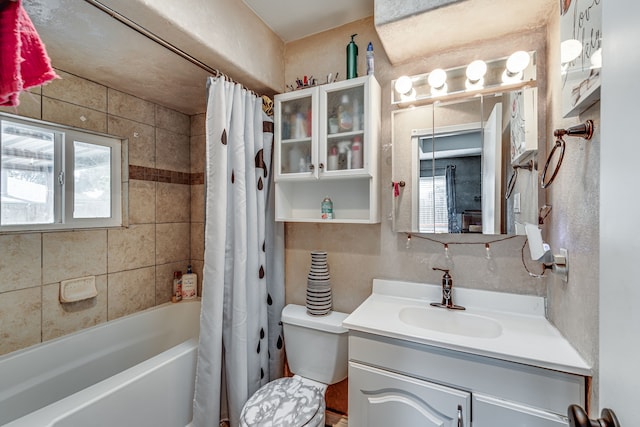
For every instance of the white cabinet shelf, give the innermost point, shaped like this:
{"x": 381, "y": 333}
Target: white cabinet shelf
{"x": 326, "y": 145}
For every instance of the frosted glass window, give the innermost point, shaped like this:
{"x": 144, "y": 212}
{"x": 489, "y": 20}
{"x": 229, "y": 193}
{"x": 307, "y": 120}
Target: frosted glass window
{"x": 92, "y": 181}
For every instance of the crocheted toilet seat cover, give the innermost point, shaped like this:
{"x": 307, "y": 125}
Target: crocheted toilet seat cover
{"x": 285, "y": 402}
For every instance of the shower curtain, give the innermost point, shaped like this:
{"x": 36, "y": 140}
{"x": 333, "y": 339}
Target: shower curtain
{"x": 243, "y": 278}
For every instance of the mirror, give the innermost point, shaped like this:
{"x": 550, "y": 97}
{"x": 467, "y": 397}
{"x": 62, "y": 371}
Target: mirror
{"x": 459, "y": 158}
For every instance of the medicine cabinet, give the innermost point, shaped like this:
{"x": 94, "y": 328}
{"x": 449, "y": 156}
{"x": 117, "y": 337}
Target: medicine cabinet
{"x": 326, "y": 145}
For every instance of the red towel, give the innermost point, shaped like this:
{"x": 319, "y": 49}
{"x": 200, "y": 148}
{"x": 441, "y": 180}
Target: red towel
{"x": 23, "y": 59}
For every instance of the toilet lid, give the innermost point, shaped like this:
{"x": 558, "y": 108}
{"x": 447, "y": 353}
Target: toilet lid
{"x": 285, "y": 402}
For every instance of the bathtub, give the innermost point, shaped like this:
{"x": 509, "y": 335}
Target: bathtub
{"x": 137, "y": 370}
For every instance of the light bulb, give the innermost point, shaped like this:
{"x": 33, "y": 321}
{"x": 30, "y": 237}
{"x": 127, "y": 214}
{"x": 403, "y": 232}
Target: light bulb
{"x": 437, "y": 78}
{"x": 570, "y": 50}
{"x": 403, "y": 85}
{"x": 517, "y": 62}
{"x": 476, "y": 71}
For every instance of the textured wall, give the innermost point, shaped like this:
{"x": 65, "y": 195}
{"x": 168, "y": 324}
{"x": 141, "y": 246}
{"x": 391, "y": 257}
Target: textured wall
{"x": 359, "y": 253}
{"x": 574, "y": 222}
{"x": 134, "y": 265}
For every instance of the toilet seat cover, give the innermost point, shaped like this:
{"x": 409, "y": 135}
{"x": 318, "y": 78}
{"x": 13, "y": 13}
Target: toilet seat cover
{"x": 285, "y": 402}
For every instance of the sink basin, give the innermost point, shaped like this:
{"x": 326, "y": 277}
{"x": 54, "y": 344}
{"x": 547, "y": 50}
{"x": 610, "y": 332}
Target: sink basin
{"x": 451, "y": 322}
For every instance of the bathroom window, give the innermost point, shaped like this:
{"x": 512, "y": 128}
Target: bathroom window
{"x": 433, "y": 205}
{"x": 53, "y": 177}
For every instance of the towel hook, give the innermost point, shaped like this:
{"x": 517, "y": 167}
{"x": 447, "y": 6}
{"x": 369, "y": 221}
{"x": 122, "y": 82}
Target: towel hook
{"x": 583, "y": 130}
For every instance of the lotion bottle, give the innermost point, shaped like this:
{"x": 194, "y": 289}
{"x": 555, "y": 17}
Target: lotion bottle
{"x": 189, "y": 284}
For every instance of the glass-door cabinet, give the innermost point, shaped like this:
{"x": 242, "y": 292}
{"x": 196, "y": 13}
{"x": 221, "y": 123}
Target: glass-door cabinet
{"x": 326, "y": 146}
{"x": 343, "y": 128}
{"x": 296, "y": 124}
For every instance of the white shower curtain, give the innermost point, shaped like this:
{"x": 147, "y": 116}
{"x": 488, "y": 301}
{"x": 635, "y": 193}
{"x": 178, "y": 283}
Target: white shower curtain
{"x": 243, "y": 277}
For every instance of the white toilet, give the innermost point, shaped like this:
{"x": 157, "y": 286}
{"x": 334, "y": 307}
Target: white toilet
{"x": 317, "y": 353}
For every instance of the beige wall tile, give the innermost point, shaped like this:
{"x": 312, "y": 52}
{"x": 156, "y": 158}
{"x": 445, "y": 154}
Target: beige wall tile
{"x": 30, "y": 106}
{"x": 20, "y": 321}
{"x": 172, "y": 151}
{"x": 61, "y": 319}
{"x": 164, "y": 280}
{"x": 132, "y": 247}
{"x": 198, "y": 124}
{"x": 173, "y": 203}
{"x": 197, "y": 241}
{"x": 76, "y": 90}
{"x": 142, "y": 140}
{"x": 198, "y": 154}
{"x": 172, "y": 120}
{"x": 142, "y": 202}
{"x": 130, "y": 107}
{"x": 20, "y": 261}
{"x": 130, "y": 291}
{"x": 73, "y": 115}
{"x": 172, "y": 242}
{"x": 72, "y": 254}
{"x": 197, "y": 203}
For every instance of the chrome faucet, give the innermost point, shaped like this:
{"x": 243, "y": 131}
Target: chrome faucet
{"x": 447, "y": 292}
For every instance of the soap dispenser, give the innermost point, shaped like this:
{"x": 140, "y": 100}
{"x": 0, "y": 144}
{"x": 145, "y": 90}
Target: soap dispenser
{"x": 352, "y": 59}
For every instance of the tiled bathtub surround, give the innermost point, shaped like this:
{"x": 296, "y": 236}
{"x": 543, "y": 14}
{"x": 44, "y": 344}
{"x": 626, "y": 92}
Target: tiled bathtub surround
{"x": 133, "y": 265}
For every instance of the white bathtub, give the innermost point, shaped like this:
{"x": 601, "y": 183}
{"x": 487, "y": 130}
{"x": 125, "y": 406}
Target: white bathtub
{"x": 138, "y": 370}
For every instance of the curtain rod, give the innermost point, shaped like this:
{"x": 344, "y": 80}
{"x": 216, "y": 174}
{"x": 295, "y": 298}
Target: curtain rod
{"x": 134, "y": 26}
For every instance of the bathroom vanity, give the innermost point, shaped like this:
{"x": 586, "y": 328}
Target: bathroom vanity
{"x": 497, "y": 363}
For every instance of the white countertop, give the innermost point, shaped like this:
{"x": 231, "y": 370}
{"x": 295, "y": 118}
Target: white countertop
{"x": 527, "y": 336}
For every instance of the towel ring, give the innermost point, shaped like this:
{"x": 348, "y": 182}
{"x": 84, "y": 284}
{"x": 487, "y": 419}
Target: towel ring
{"x": 543, "y": 181}
{"x": 530, "y": 165}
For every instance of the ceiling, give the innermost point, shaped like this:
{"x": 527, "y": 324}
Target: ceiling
{"x": 83, "y": 40}
{"x": 293, "y": 19}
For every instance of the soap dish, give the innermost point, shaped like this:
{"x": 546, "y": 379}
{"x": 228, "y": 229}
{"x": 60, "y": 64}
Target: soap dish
{"x": 80, "y": 289}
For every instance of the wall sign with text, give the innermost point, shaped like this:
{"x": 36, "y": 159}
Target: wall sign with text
{"x": 580, "y": 54}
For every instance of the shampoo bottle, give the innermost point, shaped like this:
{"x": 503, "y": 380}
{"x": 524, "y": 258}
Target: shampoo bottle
{"x": 177, "y": 286}
{"x": 189, "y": 284}
{"x": 352, "y": 59}
{"x": 370, "y": 59}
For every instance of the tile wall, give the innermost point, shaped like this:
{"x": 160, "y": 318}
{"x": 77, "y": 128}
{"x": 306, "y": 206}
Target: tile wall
{"x": 133, "y": 265}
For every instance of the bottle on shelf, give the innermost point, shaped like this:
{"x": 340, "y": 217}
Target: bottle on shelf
{"x": 345, "y": 119}
{"x": 286, "y": 122}
{"x": 177, "y": 286}
{"x": 344, "y": 154}
{"x": 295, "y": 155}
{"x": 352, "y": 59}
{"x": 326, "y": 208}
{"x": 356, "y": 153}
{"x": 370, "y": 67}
{"x": 332, "y": 159}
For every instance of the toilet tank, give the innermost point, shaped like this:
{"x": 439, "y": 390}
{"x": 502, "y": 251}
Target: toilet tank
{"x": 316, "y": 346}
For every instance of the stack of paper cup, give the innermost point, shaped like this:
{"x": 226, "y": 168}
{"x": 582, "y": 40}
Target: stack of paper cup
{"x": 319, "y": 300}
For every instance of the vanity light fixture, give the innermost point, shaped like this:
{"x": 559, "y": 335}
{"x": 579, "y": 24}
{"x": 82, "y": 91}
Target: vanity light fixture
{"x": 477, "y": 77}
{"x": 596, "y": 59}
{"x": 515, "y": 66}
{"x": 475, "y": 74}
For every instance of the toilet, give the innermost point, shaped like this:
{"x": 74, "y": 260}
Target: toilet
{"x": 317, "y": 353}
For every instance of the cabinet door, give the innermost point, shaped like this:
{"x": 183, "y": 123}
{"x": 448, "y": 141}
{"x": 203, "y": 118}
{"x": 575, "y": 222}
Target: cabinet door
{"x": 489, "y": 411}
{"x": 346, "y": 139}
{"x": 379, "y": 398}
{"x": 296, "y": 135}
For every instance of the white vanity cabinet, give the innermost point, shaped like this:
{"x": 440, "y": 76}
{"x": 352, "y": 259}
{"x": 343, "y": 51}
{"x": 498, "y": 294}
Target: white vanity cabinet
{"x": 326, "y": 145}
{"x": 396, "y": 382}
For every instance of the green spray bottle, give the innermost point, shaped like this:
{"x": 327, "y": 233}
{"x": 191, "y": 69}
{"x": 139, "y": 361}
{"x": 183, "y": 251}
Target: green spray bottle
{"x": 352, "y": 59}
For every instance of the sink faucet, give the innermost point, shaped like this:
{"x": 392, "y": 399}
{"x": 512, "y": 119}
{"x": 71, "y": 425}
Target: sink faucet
{"x": 447, "y": 295}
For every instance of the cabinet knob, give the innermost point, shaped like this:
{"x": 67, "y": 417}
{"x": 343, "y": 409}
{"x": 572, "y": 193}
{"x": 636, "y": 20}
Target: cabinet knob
{"x": 321, "y": 165}
{"x": 579, "y": 418}
{"x": 311, "y": 167}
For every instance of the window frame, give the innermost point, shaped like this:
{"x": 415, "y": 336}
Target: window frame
{"x": 64, "y": 157}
